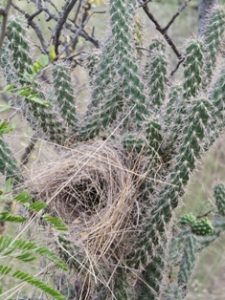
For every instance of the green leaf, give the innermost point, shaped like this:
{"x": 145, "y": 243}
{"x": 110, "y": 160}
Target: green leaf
{"x": 42, "y": 62}
{"x": 38, "y": 100}
{"x": 34, "y": 281}
{"x": 38, "y": 284}
{"x": 26, "y": 257}
{"x": 4, "y": 270}
{"x": 30, "y": 94}
{"x": 23, "y": 197}
{"x": 5, "y": 107}
{"x": 52, "y": 53}
{"x": 29, "y": 251}
{"x": 9, "y": 88}
{"x": 38, "y": 206}
{"x": 8, "y": 186}
{"x": 5, "y": 127}
{"x": 43, "y": 251}
{"x": 7, "y": 217}
{"x": 57, "y": 223}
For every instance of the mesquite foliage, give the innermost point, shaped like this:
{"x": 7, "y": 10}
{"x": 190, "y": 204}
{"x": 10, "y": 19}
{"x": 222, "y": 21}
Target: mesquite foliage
{"x": 171, "y": 123}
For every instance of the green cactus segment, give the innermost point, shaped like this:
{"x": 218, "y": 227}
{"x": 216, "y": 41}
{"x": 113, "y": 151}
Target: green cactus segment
{"x": 8, "y": 165}
{"x": 134, "y": 143}
{"x": 6, "y": 65}
{"x": 65, "y": 95}
{"x": 189, "y": 152}
{"x": 150, "y": 242}
{"x": 92, "y": 66}
{"x": 202, "y": 227}
{"x": 118, "y": 85}
{"x": 156, "y": 74}
{"x": 173, "y": 118}
{"x": 188, "y": 219}
{"x": 173, "y": 292}
{"x": 154, "y": 137}
{"x": 121, "y": 286}
{"x": 217, "y": 97}
{"x": 219, "y": 195}
{"x": 213, "y": 38}
{"x": 38, "y": 112}
{"x": 188, "y": 261}
{"x": 172, "y": 107}
{"x": 20, "y": 49}
{"x": 103, "y": 77}
{"x": 194, "y": 61}
{"x": 148, "y": 287}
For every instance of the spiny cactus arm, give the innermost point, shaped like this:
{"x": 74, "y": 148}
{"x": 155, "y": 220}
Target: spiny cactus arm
{"x": 6, "y": 65}
{"x": 133, "y": 142}
{"x": 156, "y": 74}
{"x": 19, "y": 49}
{"x": 154, "y": 137}
{"x": 93, "y": 61}
{"x": 22, "y": 63}
{"x": 155, "y": 227}
{"x": 120, "y": 289}
{"x": 193, "y": 69}
{"x": 103, "y": 116}
{"x": 172, "y": 292}
{"x": 42, "y": 117}
{"x": 8, "y": 164}
{"x": 103, "y": 75}
{"x": 188, "y": 261}
{"x": 212, "y": 38}
{"x": 172, "y": 106}
{"x": 219, "y": 196}
{"x": 125, "y": 88}
{"x": 217, "y": 98}
{"x": 65, "y": 95}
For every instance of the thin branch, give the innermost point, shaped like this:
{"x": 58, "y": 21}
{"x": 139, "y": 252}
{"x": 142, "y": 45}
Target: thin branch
{"x": 177, "y": 14}
{"x": 62, "y": 20}
{"x": 177, "y": 66}
{"x": 35, "y": 27}
{"x": 163, "y": 32}
{"x": 28, "y": 150}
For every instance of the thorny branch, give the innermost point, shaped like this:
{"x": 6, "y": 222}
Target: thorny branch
{"x": 164, "y": 30}
{"x": 28, "y": 150}
{"x": 4, "y": 13}
{"x": 63, "y": 22}
{"x": 75, "y": 30}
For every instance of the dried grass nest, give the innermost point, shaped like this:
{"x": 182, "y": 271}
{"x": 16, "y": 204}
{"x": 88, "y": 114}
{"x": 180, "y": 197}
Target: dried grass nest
{"x": 93, "y": 188}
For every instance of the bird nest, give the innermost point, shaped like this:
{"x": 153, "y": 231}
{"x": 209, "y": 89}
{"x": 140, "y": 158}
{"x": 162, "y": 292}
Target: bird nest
{"x": 93, "y": 188}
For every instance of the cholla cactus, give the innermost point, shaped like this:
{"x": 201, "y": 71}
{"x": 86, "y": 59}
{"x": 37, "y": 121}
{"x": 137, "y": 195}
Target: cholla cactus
{"x": 169, "y": 125}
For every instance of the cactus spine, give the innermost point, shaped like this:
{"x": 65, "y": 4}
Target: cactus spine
{"x": 212, "y": 40}
{"x": 64, "y": 94}
{"x": 39, "y": 114}
{"x": 8, "y": 164}
{"x": 156, "y": 74}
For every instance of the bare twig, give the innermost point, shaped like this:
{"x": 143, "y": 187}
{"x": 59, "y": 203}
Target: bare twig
{"x": 177, "y": 14}
{"x": 35, "y": 27}
{"x": 177, "y": 66}
{"x": 62, "y": 20}
{"x": 28, "y": 150}
{"x": 162, "y": 31}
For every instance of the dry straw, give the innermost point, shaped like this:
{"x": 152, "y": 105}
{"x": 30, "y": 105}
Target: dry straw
{"x": 94, "y": 189}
